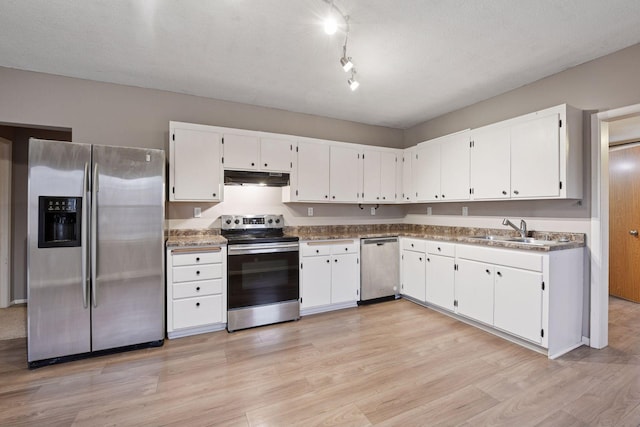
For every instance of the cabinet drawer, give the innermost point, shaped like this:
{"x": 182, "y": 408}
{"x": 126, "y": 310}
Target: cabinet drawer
{"x": 345, "y": 247}
{"x": 195, "y": 258}
{"x": 197, "y": 311}
{"x": 189, "y": 273}
{"x": 441, "y": 248}
{"x": 417, "y": 245}
{"x": 315, "y": 249}
{"x": 195, "y": 289}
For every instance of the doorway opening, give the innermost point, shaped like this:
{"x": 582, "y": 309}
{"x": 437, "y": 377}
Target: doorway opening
{"x": 13, "y": 222}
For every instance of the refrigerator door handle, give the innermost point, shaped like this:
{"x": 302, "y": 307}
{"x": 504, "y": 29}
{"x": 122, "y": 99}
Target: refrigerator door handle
{"x": 94, "y": 235}
{"x": 83, "y": 236}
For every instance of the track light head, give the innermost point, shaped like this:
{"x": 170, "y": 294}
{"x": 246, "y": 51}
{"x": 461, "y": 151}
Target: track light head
{"x": 346, "y": 63}
{"x": 330, "y": 25}
{"x": 353, "y": 83}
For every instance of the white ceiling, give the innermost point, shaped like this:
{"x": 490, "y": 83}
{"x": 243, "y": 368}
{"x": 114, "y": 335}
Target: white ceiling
{"x": 416, "y": 59}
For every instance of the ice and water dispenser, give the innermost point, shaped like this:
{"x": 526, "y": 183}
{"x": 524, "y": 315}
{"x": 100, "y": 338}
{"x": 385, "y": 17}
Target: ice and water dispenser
{"x": 59, "y": 221}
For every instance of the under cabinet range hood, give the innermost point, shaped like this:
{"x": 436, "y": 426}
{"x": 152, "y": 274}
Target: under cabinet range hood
{"x": 264, "y": 179}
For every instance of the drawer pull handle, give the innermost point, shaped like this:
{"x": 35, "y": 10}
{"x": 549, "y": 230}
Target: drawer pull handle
{"x": 198, "y": 289}
{"x": 197, "y": 304}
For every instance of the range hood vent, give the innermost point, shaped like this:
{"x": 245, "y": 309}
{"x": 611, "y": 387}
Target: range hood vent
{"x": 264, "y": 179}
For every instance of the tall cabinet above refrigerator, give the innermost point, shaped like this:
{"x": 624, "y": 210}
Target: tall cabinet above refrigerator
{"x": 95, "y": 249}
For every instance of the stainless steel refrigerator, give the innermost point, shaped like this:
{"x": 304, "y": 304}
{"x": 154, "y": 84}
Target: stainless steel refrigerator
{"x": 95, "y": 267}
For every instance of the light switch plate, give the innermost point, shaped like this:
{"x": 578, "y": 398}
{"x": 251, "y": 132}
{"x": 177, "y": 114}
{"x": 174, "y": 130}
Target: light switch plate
{"x": 197, "y": 212}
{"x": 429, "y": 210}
{"x": 465, "y": 211}
{"x": 309, "y": 211}
{"x": 373, "y": 210}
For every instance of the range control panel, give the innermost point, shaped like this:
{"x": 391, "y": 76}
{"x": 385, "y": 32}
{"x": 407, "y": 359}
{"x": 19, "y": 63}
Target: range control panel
{"x": 251, "y": 222}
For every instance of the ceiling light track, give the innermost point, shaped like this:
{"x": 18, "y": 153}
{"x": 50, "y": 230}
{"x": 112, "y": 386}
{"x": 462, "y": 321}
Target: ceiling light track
{"x": 330, "y": 27}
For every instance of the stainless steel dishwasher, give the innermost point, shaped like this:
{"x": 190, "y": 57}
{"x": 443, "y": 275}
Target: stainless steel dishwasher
{"x": 379, "y": 269}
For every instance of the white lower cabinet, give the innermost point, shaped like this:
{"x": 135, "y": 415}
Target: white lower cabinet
{"x": 196, "y": 290}
{"x": 329, "y": 275}
{"x": 413, "y": 268}
{"x": 530, "y": 297}
{"x": 474, "y": 290}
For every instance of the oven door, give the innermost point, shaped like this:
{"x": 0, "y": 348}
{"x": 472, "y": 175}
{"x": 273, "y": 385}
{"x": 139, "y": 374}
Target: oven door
{"x": 262, "y": 273}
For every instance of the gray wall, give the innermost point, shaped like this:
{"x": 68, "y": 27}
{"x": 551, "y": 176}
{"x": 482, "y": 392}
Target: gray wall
{"x": 110, "y": 114}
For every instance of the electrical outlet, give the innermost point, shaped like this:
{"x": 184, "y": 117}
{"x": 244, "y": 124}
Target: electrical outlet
{"x": 465, "y": 211}
{"x": 309, "y": 211}
{"x": 373, "y": 210}
{"x": 197, "y": 212}
{"x": 429, "y": 210}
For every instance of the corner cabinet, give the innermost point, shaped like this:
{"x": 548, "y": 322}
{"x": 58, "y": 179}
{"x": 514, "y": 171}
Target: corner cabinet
{"x": 195, "y": 163}
{"x": 379, "y": 176}
{"x": 329, "y": 275}
{"x": 196, "y": 290}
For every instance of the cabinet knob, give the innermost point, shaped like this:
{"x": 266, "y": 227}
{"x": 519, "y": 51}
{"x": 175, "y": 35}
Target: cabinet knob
{"x": 428, "y": 259}
{"x": 317, "y": 251}
{"x": 436, "y": 196}
{"x": 516, "y": 192}
{"x": 265, "y": 165}
{"x": 420, "y": 258}
{"x": 335, "y": 260}
{"x": 633, "y": 232}
{"x": 346, "y": 249}
{"x": 499, "y": 274}
{"x": 333, "y": 197}
{"x": 197, "y": 273}
{"x": 327, "y": 260}
{"x": 443, "y": 196}
{"x": 504, "y": 192}
{"x": 214, "y": 194}
{"x": 198, "y": 259}
{"x": 488, "y": 272}
{"x": 412, "y": 245}
{"x": 326, "y": 197}
{"x": 384, "y": 198}
{"x": 439, "y": 249}
{"x": 197, "y": 304}
{"x": 253, "y": 164}
{"x": 198, "y": 288}
{"x": 377, "y": 198}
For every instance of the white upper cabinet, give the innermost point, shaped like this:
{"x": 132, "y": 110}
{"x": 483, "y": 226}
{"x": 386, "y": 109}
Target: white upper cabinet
{"x": 254, "y": 153}
{"x": 408, "y": 192}
{"x": 195, "y": 170}
{"x": 379, "y": 176}
{"x": 441, "y": 170}
{"x": 535, "y": 156}
{"x": 313, "y": 171}
{"x": 490, "y": 163}
{"x": 345, "y": 174}
{"x": 276, "y": 154}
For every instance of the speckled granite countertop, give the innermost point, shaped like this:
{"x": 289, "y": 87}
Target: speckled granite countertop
{"x": 557, "y": 241}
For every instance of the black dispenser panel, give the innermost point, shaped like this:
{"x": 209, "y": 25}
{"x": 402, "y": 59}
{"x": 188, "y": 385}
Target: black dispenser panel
{"x": 59, "y": 221}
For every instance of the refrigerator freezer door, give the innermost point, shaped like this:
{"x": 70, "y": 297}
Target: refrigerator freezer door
{"x": 58, "y": 322}
{"x": 128, "y": 295}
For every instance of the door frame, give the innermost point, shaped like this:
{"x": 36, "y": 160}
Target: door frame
{"x": 599, "y": 282}
{"x": 6, "y": 147}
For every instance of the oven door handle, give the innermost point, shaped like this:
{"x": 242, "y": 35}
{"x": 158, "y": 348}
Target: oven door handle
{"x": 261, "y": 248}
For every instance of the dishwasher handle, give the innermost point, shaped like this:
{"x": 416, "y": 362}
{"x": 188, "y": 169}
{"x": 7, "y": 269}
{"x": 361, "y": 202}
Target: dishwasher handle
{"x": 381, "y": 241}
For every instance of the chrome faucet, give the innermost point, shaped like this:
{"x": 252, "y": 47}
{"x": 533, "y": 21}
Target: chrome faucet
{"x": 523, "y": 227}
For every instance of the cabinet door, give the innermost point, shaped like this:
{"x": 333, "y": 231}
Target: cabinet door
{"x": 408, "y": 159}
{"x": 518, "y": 302}
{"x": 454, "y": 167}
{"x": 195, "y": 165}
{"x": 313, "y": 171}
{"x": 413, "y": 275}
{"x": 439, "y": 283}
{"x": 426, "y": 172}
{"x": 474, "y": 290}
{"x": 241, "y": 152}
{"x": 275, "y": 155}
{"x": 315, "y": 277}
{"x": 371, "y": 176}
{"x": 388, "y": 165}
{"x": 346, "y": 178}
{"x": 535, "y": 158}
{"x": 490, "y": 163}
{"x": 345, "y": 278}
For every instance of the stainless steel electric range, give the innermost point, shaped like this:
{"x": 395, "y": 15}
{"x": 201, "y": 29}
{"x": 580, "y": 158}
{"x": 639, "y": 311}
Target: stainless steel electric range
{"x": 262, "y": 271}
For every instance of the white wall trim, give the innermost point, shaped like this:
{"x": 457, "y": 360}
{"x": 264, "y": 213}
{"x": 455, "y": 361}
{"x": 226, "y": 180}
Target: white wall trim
{"x": 18, "y": 301}
{"x": 599, "y": 319}
{"x": 5, "y": 222}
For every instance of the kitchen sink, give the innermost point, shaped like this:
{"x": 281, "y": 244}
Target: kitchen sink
{"x": 526, "y": 240}
{"x": 496, "y": 238}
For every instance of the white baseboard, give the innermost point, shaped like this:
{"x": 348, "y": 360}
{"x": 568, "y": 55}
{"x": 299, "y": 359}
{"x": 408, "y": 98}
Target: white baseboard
{"x": 586, "y": 341}
{"x": 18, "y": 301}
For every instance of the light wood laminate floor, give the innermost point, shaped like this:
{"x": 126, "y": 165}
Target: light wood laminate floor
{"x": 394, "y": 364}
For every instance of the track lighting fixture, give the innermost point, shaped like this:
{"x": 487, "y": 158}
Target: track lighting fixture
{"x": 330, "y": 27}
{"x": 353, "y": 83}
